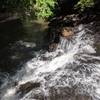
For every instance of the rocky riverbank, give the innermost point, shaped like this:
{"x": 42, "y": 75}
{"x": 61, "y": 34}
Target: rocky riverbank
{"x": 63, "y": 26}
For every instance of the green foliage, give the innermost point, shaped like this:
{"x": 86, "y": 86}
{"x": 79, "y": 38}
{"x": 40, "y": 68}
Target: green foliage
{"x": 83, "y": 4}
{"x": 44, "y": 8}
{"x": 38, "y": 8}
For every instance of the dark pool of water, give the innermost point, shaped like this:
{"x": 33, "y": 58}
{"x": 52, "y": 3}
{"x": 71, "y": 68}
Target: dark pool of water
{"x": 18, "y": 41}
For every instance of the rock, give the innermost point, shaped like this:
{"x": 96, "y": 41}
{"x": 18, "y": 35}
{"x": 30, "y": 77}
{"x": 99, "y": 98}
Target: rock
{"x": 56, "y": 21}
{"x": 71, "y": 20}
{"x": 82, "y": 97}
{"x": 66, "y": 32}
{"x": 68, "y": 22}
{"x": 25, "y": 88}
{"x": 53, "y": 46}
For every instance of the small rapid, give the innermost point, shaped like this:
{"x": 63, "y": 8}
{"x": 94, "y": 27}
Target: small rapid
{"x": 71, "y": 72}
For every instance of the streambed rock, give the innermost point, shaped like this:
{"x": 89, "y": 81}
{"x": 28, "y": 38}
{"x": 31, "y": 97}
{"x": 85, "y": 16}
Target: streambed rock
{"x": 67, "y": 32}
{"x": 54, "y": 37}
{"x": 59, "y": 26}
{"x": 26, "y": 87}
{"x": 53, "y": 46}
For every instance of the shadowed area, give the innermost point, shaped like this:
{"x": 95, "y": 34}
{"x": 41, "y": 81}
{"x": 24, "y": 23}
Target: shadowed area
{"x": 18, "y": 40}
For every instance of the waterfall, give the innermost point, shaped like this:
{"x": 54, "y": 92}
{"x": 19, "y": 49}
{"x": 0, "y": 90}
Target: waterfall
{"x": 71, "y": 72}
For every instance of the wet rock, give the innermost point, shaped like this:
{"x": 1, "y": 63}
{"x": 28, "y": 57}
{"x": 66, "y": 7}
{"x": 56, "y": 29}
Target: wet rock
{"x": 66, "y": 93}
{"x": 52, "y": 35}
{"x": 53, "y": 46}
{"x": 82, "y": 97}
{"x": 56, "y": 21}
{"x": 68, "y": 22}
{"x": 66, "y": 32}
{"x": 71, "y": 20}
{"x": 59, "y": 26}
{"x": 25, "y": 88}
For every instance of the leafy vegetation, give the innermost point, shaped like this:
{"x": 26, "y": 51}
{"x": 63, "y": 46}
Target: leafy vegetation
{"x": 44, "y": 8}
{"x": 83, "y": 4}
{"x": 39, "y": 8}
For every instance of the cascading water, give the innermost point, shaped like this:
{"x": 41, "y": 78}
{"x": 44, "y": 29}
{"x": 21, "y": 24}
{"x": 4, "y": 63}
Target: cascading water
{"x": 72, "y": 72}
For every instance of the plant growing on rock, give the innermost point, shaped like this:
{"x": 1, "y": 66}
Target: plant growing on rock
{"x": 83, "y": 4}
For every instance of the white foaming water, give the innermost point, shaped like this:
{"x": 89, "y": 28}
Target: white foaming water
{"x": 10, "y": 94}
{"x": 71, "y": 70}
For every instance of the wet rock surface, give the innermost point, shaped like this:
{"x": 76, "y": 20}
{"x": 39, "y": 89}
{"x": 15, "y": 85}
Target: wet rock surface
{"x": 59, "y": 26}
{"x": 27, "y": 87}
{"x": 67, "y": 32}
{"x": 64, "y": 25}
{"x": 53, "y": 46}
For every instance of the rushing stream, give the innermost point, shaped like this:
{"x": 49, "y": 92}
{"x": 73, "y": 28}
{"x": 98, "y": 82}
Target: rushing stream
{"x": 72, "y": 72}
